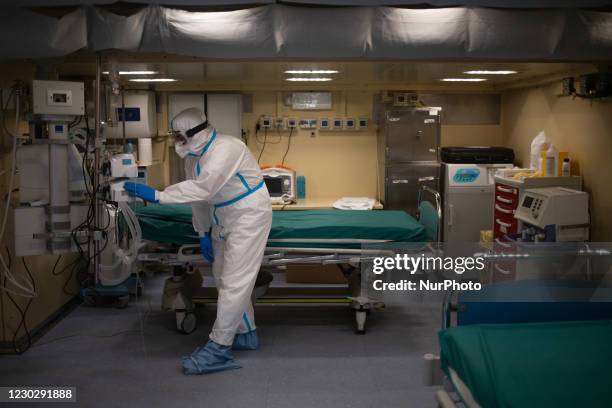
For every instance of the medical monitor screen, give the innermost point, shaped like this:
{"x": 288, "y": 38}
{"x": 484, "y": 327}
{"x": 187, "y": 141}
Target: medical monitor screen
{"x": 527, "y": 202}
{"x": 274, "y": 185}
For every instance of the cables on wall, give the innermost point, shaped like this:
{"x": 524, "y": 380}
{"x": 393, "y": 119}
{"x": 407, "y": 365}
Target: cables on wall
{"x": 288, "y": 146}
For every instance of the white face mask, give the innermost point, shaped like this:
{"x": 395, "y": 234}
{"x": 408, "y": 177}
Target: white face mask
{"x": 182, "y": 149}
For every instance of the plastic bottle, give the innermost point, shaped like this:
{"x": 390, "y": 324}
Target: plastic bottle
{"x": 301, "y": 187}
{"x": 565, "y": 168}
{"x": 551, "y": 161}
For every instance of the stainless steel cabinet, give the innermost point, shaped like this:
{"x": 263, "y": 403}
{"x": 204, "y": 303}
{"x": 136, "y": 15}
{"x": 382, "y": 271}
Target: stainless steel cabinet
{"x": 412, "y": 135}
{"x": 411, "y": 142}
{"x": 402, "y": 184}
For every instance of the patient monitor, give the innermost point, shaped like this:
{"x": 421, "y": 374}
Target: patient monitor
{"x": 554, "y": 214}
{"x": 280, "y": 182}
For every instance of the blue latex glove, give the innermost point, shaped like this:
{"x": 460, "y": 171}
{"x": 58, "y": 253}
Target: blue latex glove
{"x": 206, "y": 247}
{"x": 246, "y": 341}
{"x": 211, "y": 358}
{"x": 141, "y": 191}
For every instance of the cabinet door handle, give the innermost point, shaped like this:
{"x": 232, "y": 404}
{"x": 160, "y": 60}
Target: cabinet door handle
{"x": 502, "y": 243}
{"x": 504, "y": 200}
{"x": 498, "y": 208}
{"x": 501, "y": 270}
{"x": 451, "y": 214}
{"x": 423, "y": 179}
{"x": 503, "y": 224}
{"x": 506, "y": 190}
{"x": 400, "y": 181}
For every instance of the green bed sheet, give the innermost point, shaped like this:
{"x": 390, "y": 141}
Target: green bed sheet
{"x": 172, "y": 224}
{"x": 557, "y": 364}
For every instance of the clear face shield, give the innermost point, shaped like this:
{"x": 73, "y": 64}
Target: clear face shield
{"x": 180, "y": 138}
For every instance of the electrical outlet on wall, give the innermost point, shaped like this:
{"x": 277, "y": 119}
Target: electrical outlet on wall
{"x": 292, "y": 123}
{"x": 266, "y": 122}
{"x": 279, "y": 124}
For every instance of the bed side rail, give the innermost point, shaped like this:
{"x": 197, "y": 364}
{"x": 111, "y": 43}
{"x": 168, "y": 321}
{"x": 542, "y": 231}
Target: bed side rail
{"x": 423, "y": 191}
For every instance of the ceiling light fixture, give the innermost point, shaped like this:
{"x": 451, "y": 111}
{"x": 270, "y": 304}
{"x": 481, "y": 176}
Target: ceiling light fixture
{"x": 313, "y": 79}
{"x": 152, "y": 80}
{"x": 463, "y": 79}
{"x": 487, "y": 72}
{"x": 134, "y": 72}
{"x": 311, "y": 71}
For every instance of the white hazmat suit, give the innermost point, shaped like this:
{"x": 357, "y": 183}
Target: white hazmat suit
{"x": 226, "y": 189}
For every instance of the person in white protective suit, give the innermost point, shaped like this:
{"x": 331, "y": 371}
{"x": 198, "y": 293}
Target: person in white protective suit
{"x": 225, "y": 187}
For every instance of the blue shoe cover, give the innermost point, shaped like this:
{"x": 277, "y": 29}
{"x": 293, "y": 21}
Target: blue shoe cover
{"x": 211, "y": 358}
{"x": 246, "y": 341}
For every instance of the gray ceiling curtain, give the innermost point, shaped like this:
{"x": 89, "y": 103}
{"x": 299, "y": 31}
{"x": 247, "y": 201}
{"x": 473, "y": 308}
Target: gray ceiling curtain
{"x": 288, "y": 32}
{"x": 543, "y": 4}
{"x": 26, "y": 34}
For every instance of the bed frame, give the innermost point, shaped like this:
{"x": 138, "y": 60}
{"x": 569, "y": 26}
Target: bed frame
{"x": 187, "y": 259}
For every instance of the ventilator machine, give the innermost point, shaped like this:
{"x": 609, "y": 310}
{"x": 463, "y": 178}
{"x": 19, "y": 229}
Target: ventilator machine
{"x": 554, "y": 214}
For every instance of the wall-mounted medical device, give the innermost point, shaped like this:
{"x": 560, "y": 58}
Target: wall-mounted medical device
{"x": 49, "y": 173}
{"x": 58, "y": 98}
{"x": 138, "y": 110}
{"x": 554, "y": 214}
{"x": 281, "y": 184}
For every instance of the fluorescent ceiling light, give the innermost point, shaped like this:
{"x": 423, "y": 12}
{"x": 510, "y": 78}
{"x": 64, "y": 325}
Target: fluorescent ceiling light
{"x": 312, "y": 79}
{"x": 486, "y": 72}
{"x": 152, "y": 80}
{"x": 134, "y": 72}
{"x": 311, "y": 71}
{"x": 463, "y": 79}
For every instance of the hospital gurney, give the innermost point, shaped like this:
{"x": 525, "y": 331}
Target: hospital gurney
{"x": 530, "y": 343}
{"x": 349, "y": 239}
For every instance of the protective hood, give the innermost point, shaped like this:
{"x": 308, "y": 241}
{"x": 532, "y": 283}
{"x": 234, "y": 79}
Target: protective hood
{"x": 187, "y": 122}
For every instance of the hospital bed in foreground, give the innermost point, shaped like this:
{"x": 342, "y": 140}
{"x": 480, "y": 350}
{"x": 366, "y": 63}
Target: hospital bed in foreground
{"x": 349, "y": 239}
{"x": 528, "y": 343}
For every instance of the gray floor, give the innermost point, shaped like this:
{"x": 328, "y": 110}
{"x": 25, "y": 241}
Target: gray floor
{"x": 309, "y": 357}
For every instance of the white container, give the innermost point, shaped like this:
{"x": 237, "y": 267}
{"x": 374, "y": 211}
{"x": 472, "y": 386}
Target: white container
{"x": 565, "y": 168}
{"x": 552, "y": 155}
{"x": 145, "y": 152}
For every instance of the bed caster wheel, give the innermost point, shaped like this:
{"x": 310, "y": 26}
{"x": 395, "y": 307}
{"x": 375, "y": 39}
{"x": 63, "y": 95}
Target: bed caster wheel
{"x": 360, "y": 318}
{"x": 186, "y": 323}
{"x": 89, "y": 301}
{"x": 121, "y": 302}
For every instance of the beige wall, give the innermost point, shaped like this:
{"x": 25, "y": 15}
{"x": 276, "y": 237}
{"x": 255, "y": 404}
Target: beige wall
{"x": 472, "y": 135}
{"x": 581, "y": 127}
{"x": 334, "y": 163}
{"x": 341, "y": 163}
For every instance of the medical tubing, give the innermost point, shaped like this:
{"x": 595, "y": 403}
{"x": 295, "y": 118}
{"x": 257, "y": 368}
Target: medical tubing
{"x": 136, "y": 232}
{"x": 29, "y": 291}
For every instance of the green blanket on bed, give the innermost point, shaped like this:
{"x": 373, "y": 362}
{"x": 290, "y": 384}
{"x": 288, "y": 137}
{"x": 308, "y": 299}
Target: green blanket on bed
{"x": 172, "y": 224}
{"x": 543, "y": 365}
